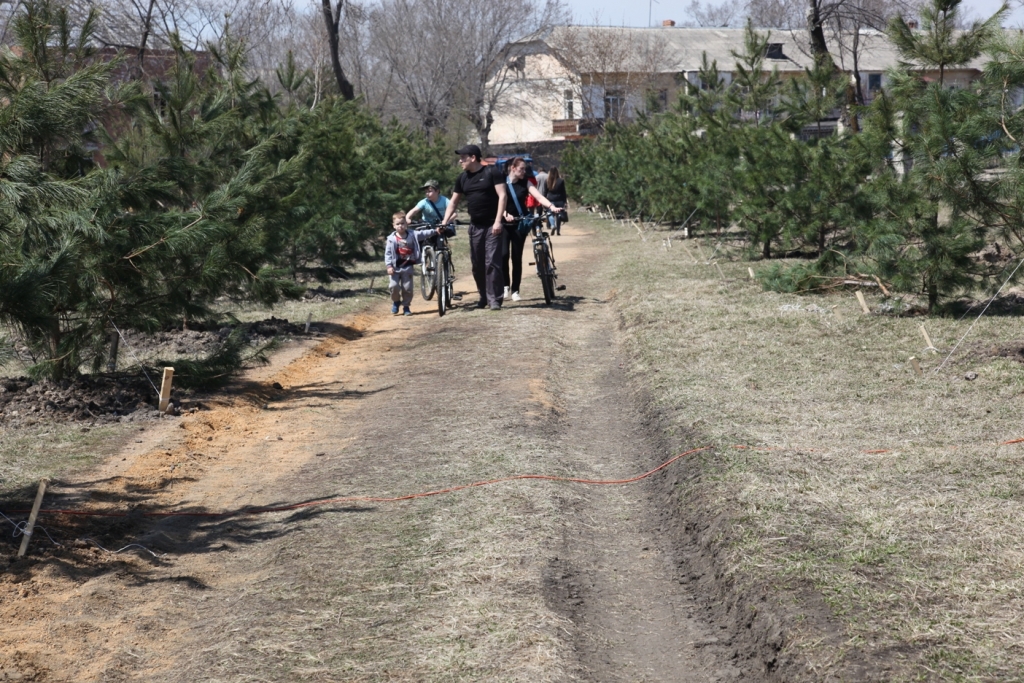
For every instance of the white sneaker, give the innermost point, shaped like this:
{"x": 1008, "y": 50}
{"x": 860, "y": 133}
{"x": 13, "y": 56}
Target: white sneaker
{"x": 515, "y": 296}
{"x": 505, "y": 295}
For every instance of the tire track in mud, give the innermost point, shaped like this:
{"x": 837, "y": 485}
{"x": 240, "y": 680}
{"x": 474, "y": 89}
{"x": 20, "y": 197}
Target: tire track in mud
{"x": 528, "y": 582}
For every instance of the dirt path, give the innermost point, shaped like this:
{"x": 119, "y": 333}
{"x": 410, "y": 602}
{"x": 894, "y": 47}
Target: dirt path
{"x": 526, "y": 581}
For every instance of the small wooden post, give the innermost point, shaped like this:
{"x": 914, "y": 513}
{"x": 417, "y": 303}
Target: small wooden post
{"x": 688, "y": 252}
{"x": 369, "y": 290}
{"x": 27, "y": 533}
{"x": 835, "y": 312}
{"x": 115, "y": 340}
{"x": 863, "y": 303}
{"x": 719, "y": 270}
{"x": 309, "y": 319}
{"x": 917, "y": 366}
{"x": 931, "y": 347}
{"x": 700, "y": 251}
{"x": 165, "y": 390}
{"x": 751, "y": 271}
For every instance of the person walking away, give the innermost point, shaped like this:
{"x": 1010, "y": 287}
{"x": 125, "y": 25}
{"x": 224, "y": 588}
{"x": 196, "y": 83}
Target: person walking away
{"x": 557, "y": 196}
{"x": 401, "y": 253}
{"x": 542, "y": 181}
{"x": 531, "y": 202}
{"x": 484, "y": 190}
{"x": 517, "y": 224}
{"x": 431, "y": 207}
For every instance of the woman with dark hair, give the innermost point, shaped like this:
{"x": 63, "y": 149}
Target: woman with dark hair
{"x": 519, "y": 188}
{"x": 557, "y": 196}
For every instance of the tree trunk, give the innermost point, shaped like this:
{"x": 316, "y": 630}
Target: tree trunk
{"x": 766, "y": 253}
{"x": 147, "y": 27}
{"x": 816, "y": 33}
{"x": 933, "y": 296}
{"x": 332, "y": 17}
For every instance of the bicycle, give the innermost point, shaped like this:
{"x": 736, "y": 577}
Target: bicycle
{"x": 427, "y": 278}
{"x": 444, "y": 272}
{"x": 544, "y": 257}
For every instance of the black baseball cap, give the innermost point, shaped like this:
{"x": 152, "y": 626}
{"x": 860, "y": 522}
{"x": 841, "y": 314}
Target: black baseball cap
{"x": 471, "y": 150}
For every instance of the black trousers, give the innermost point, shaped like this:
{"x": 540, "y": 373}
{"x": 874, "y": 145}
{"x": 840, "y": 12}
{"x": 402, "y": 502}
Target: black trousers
{"x": 513, "y": 251}
{"x": 485, "y": 250}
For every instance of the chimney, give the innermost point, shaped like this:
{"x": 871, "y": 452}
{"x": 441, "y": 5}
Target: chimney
{"x": 668, "y": 23}
{"x": 912, "y": 24}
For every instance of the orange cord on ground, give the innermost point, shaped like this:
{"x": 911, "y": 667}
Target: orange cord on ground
{"x": 373, "y": 499}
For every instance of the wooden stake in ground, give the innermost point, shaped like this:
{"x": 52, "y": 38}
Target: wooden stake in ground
{"x": 917, "y": 366}
{"x": 719, "y": 270}
{"x": 688, "y": 252}
{"x": 165, "y": 390}
{"x": 863, "y": 303}
{"x": 27, "y": 532}
{"x": 115, "y": 340}
{"x": 835, "y": 312}
{"x": 309, "y": 319}
{"x": 700, "y": 251}
{"x": 928, "y": 340}
{"x": 751, "y": 271}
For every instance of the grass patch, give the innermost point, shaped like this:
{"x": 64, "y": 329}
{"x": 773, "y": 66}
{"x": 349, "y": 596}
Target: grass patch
{"x": 53, "y": 450}
{"x": 887, "y": 493}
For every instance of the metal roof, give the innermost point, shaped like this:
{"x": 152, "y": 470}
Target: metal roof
{"x": 685, "y": 47}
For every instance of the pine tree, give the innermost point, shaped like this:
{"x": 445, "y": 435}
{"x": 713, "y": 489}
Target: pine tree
{"x": 50, "y": 98}
{"x": 928, "y": 225}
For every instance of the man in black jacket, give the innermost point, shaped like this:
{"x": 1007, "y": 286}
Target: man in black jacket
{"x": 484, "y": 190}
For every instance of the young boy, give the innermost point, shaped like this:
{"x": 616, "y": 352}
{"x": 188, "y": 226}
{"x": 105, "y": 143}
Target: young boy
{"x": 401, "y": 253}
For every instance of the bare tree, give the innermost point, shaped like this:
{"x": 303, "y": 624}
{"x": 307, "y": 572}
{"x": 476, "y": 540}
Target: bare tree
{"x": 489, "y": 33}
{"x": 710, "y": 15}
{"x": 610, "y": 69}
{"x": 779, "y": 14}
{"x": 420, "y": 42}
{"x": 332, "y": 20}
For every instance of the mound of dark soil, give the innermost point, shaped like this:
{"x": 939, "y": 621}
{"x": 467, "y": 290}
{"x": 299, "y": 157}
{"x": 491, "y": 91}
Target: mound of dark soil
{"x": 89, "y": 397}
{"x": 1014, "y": 350}
{"x": 123, "y": 397}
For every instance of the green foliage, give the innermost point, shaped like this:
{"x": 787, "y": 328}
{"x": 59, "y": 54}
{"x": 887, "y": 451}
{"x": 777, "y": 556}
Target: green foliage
{"x": 910, "y": 198}
{"x": 217, "y": 368}
{"x": 209, "y": 186}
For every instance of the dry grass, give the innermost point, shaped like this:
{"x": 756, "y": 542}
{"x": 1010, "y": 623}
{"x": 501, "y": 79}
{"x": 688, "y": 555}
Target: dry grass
{"x": 888, "y": 492}
{"x": 437, "y": 589}
{"x": 49, "y": 450}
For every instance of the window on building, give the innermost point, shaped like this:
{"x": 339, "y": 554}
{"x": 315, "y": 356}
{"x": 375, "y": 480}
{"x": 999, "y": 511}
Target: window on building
{"x": 774, "y": 51}
{"x": 874, "y": 82}
{"x": 568, "y": 101}
{"x": 614, "y": 104}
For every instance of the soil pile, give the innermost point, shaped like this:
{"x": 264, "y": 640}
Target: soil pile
{"x": 109, "y": 397}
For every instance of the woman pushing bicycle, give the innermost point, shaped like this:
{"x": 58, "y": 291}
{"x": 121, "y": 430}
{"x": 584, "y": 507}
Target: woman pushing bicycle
{"x": 517, "y": 226}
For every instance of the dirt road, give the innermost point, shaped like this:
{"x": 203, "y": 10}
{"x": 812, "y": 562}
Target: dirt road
{"x": 525, "y": 581}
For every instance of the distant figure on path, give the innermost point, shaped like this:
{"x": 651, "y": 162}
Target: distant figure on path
{"x": 557, "y": 196}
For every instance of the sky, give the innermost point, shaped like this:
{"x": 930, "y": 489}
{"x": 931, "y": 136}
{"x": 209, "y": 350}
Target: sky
{"x": 636, "y": 12}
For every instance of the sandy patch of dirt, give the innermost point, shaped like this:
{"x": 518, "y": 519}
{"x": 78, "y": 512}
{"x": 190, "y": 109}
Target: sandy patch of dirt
{"x": 525, "y": 582}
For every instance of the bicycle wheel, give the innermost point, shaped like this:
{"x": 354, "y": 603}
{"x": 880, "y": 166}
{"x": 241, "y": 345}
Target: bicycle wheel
{"x": 441, "y": 283}
{"x": 427, "y": 273}
{"x": 449, "y": 271}
{"x": 547, "y": 278}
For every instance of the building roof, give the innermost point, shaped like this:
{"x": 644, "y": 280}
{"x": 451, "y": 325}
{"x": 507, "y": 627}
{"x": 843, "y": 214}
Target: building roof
{"x": 685, "y": 47}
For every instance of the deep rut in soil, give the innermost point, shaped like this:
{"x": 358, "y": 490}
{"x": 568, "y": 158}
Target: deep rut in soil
{"x": 525, "y": 581}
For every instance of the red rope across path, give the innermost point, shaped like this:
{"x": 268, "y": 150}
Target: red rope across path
{"x": 373, "y": 499}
